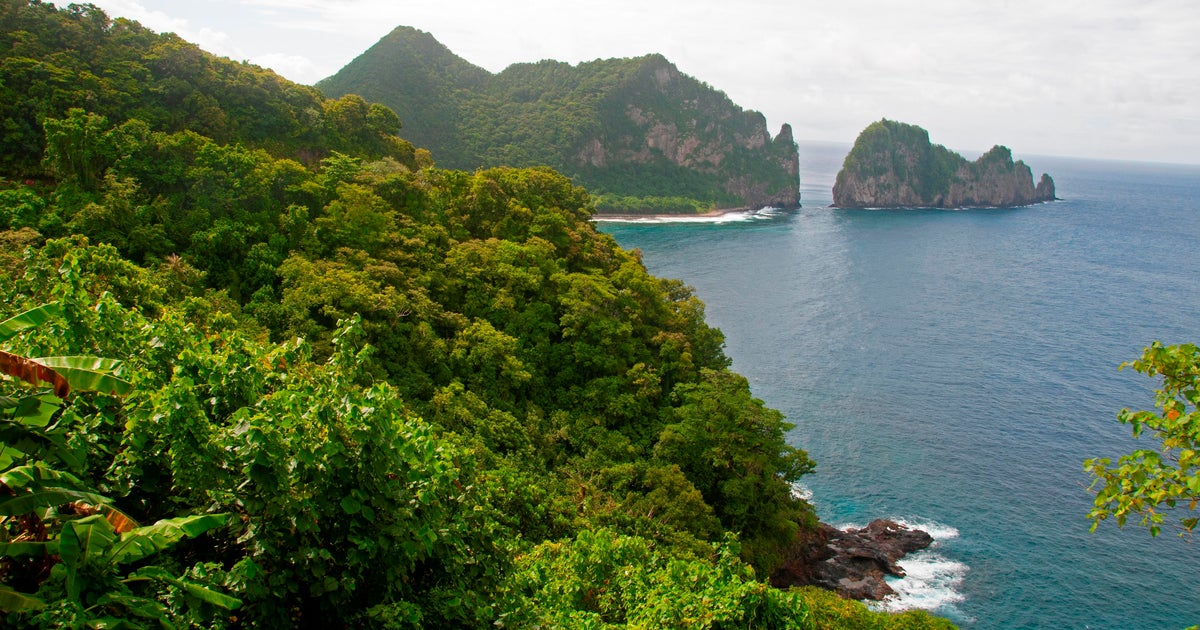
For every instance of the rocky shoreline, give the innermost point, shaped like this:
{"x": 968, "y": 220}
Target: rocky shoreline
{"x": 852, "y": 562}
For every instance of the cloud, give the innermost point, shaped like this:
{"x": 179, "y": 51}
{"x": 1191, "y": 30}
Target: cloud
{"x": 1105, "y": 77}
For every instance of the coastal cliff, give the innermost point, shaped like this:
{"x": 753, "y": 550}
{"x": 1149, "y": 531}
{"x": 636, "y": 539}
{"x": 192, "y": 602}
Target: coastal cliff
{"x": 636, "y": 132}
{"x": 894, "y": 165}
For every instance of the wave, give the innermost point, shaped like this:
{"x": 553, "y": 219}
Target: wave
{"x": 939, "y": 531}
{"x": 931, "y": 583}
{"x": 803, "y": 492}
{"x": 736, "y": 216}
{"x": 931, "y": 580}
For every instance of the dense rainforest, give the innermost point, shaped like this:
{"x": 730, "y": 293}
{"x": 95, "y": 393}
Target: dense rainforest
{"x": 265, "y": 365}
{"x": 639, "y": 134}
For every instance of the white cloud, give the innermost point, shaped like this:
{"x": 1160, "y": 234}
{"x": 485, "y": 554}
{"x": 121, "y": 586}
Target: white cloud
{"x": 1106, "y": 78}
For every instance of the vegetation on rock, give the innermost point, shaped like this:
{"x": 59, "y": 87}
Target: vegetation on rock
{"x": 624, "y": 128}
{"x": 893, "y": 164}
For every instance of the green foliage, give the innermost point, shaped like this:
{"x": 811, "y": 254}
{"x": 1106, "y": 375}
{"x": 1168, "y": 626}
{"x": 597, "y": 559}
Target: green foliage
{"x": 653, "y": 204}
{"x": 732, "y": 448}
{"x": 53, "y": 61}
{"x": 828, "y": 610}
{"x": 552, "y": 113}
{"x": 888, "y": 147}
{"x": 604, "y": 580}
{"x": 353, "y": 389}
{"x": 60, "y": 536}
{"x": 1150, "y": 483}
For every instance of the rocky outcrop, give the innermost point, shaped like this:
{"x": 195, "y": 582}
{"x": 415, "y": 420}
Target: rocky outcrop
{"x": 893, "y": 165}
{"x": 852, "y": 562}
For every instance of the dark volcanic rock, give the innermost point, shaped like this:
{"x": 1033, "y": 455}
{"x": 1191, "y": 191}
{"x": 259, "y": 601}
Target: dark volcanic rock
{"x": 853, "y": 562}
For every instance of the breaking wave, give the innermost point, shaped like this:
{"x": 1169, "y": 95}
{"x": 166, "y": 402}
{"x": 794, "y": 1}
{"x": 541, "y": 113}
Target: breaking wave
{"x": 931, "y": 580}
{"x": 736, "y": 216}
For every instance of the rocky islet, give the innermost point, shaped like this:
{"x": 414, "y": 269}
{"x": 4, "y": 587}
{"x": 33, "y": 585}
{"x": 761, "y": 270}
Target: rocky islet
{"x": 894, "y": 165}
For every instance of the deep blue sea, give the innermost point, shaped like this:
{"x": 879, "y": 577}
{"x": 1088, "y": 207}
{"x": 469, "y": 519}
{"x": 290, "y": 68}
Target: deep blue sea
{"x": 953, "y": 369}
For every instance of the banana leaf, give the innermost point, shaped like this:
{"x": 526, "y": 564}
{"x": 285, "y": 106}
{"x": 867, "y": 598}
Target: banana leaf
{"x": 16, "y": 601}
{"x": 32, "y": 318}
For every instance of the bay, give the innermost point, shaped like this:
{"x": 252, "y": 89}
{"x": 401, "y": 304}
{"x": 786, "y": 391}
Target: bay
{"x": 953, "y": 369}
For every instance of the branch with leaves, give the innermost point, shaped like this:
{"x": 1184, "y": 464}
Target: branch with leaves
{"x": 1148, "y": 483}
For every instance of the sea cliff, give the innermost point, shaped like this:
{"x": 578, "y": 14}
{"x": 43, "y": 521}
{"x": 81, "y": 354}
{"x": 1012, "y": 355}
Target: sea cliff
{"x": 894, "y": 165}
{"x": 639, "y": 134}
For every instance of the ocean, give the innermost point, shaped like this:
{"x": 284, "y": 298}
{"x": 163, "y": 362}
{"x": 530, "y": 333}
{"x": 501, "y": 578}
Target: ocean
{"x": 953, "y": 369}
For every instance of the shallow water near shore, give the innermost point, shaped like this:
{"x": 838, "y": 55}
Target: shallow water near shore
{"x": 952, "y": 369}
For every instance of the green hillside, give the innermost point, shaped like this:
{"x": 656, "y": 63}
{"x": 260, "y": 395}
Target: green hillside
{"x": 244, "y": 390}
{"x": 620, "y": 127}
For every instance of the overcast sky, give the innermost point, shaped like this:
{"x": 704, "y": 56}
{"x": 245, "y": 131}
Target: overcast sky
{"x": 1114, "y": 79}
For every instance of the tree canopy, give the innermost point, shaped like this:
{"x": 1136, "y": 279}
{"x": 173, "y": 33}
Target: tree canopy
{"x": 612, "y": 125}
{"x": 332, "y": 384}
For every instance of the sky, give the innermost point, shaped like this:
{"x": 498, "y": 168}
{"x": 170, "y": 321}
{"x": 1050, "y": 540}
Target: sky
{"x": 1104, "y": 79}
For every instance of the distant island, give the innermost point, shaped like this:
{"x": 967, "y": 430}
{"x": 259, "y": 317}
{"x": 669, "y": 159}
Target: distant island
{"x": 640, "y": 135}
{"x": 894, "y": 165}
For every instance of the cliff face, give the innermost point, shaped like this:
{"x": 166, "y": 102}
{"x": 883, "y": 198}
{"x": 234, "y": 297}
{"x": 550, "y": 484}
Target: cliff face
{"x": 628, "y": 127}
{"x": 893, "y": 165}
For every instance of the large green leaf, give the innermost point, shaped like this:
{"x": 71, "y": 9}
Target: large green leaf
{"x": 84, "y": 538}
{"x": 47, "y": 497}
{"x": 81, "y": 541}
{"x": 34, "y": 317}
{"x": 145, "y": 541}
{"x": 38, "y": 475}
{"x": 90, "y": 374}
{"x": 16, "y": 601}
{"x": 28, "y": 548}
{"x": 134, "y": 605}
{"x": 201, "y": 592}
{"x": 33, "y": 411}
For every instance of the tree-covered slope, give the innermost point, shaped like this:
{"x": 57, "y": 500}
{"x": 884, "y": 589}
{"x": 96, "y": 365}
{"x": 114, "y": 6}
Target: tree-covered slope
{"x": 632, "y": 128}
{"x": 243, "y": 391}
{"x": 893, "y": 164}
{"x": 52, "y": 60}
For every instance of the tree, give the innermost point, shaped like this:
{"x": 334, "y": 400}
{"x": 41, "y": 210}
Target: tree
{"x": 732, "y": 448}
{"x": 1148, "y": 483}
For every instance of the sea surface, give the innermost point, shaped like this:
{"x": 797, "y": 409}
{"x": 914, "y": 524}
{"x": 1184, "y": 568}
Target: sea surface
{"x": 953, "y": 369}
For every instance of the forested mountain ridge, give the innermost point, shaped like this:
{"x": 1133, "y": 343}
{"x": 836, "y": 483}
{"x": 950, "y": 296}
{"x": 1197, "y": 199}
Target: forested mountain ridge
{"x": 265, "y": 383}
{"x": 121, "y": 70}
{"x": 627, "y": 129}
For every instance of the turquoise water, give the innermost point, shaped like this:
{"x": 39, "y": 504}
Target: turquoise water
{"x": 954, "y": 368}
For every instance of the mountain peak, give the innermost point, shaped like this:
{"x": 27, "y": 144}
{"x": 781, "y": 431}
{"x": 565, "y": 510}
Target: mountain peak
{"x": 624, "y": 127}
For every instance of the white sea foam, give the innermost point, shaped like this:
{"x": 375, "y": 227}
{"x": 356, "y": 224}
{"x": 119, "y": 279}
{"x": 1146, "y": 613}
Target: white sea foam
{"x": 939, "y": 531}
{"x": 728, "y": 217}
{"x": 931, "y": 580}
{"x": 802, "y": 492}
{"x": 931, "y": 583}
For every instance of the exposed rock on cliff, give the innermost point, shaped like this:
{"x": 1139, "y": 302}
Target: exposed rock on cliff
{"x": 893, "y": 165}
{"x": 625, "y": 127}
{"x": 853, "y": 562}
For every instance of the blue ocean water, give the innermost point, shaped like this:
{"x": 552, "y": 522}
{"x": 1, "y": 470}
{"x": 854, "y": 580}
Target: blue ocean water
{"x": 953, "y": 369}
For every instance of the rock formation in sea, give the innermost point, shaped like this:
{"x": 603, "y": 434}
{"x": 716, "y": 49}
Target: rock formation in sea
{"x": 852, "y": 562}
{"x": 894, "y": 165}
